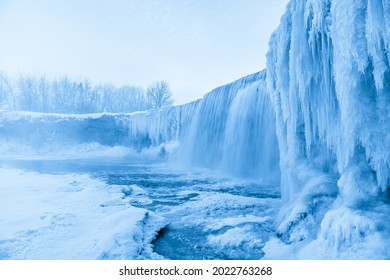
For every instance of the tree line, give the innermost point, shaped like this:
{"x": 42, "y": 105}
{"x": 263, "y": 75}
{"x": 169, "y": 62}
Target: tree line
{"x": 63, "y": 95}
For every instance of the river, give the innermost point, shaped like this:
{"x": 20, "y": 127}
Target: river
{"x": 209, "y": 216}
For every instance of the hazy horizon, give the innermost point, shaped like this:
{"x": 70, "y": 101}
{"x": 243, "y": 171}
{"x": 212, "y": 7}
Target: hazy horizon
{"x": 194, "y": 45}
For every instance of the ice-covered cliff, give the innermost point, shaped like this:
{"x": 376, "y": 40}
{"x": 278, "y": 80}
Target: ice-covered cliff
{"x": 328, "y": 75}
{"x": 60, "y": 136}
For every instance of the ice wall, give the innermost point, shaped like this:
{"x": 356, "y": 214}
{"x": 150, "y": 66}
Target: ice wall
{"x": 328, "y": 76}
{"x": 161, "y": 126}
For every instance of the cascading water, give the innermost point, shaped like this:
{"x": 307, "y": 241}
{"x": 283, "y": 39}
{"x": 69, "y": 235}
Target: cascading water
{"x": 232, "y": 129}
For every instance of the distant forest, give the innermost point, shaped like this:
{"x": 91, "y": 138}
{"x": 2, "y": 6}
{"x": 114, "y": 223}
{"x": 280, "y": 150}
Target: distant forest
{"x": 63, "y": 95}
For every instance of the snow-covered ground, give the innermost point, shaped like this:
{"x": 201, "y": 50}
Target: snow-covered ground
{"x": 70, "y": 216}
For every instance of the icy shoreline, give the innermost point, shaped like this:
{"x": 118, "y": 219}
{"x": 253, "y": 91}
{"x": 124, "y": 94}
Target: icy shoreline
{"x": 71, "y": 217}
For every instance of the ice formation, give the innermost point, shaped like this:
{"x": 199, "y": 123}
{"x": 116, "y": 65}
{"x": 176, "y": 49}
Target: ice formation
{"x": 328, "y": 76}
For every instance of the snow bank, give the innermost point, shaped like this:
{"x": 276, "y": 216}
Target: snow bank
{"x": 31, "y": 135}
{"x": 71, "y": 217}
{"x": 39, "y": 129}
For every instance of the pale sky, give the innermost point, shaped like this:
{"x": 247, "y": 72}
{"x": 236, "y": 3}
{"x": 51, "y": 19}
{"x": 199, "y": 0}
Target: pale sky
{"x": 195, "y": 45}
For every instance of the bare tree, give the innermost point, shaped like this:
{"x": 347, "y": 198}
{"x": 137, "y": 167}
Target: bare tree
{"x": 159, "y": 95}
{"x": 29, "y": 98}
{"x": 4, "y": 89}
{"x": 64, "y": 95}
{"x": 120, "y": 100}
{"x": 87, "y": 98}
{"x": 106, "y": 102}
{"x": 43, "y": 86}
{"x": 131, "y": 98}
{"x": 8, "y": 94}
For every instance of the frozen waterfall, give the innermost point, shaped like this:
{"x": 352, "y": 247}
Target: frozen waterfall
{"x": 231, "y": 129}
{"x": 315, "y": 123}
{"x": 328, "y": 76}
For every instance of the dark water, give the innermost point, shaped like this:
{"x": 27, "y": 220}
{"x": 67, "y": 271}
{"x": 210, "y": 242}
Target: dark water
{"x": 209, "y": 217}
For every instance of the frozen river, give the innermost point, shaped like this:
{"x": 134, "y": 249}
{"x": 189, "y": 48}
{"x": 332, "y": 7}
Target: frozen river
{"x": 207, "y": 216}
